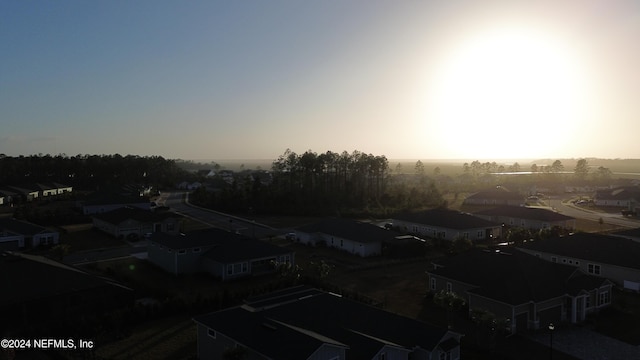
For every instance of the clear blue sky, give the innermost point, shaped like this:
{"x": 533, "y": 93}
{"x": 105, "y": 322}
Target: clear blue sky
{"x": 249, "y": 79}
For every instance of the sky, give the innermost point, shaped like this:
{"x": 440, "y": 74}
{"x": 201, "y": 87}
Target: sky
{"x": 429, "y": 79}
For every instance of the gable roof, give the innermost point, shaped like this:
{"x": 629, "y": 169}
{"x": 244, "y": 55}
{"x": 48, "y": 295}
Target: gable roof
{"x": 514, "y": 277}
{"x": 497, "y": 193}
{"x": 446, "y": 218}
{"x": 220, "y": 245}
{"x": 600, "y": 248}
{"x": 120, "y": 215}
{"x": 619, "y": 193}
{"x": 41, "y": 277}
{"x": 22, "y": 227}
{"x": 523, "y": 212}
{"x": 349, "y": 229}
{"x": 323, "y": 318}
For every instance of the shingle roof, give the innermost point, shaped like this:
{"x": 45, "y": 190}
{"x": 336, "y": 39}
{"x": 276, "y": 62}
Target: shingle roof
{"x": 523, "y": 212}
{"x": 349, "y": 229}
{"x": 30, "y": 277}
{"x": 498, "y": 193}
{"x": 220, "y": 245}
{"x": 593, "y": 247}
{"x": 620, "y": 193}
{"x": 122, "y": 214}
{"x": 323, "y": 318}
{"x": 21, "y": 227}
{"x": 450, "y": 219}
{"x": 512, "y": 276}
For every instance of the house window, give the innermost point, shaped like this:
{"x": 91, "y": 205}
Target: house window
{"x": 284, "y": 259}
{"x": 449, "y": 287}
{"x": 341, "y": 243}
{"x": 445, "y": 355}
{"x": 604, "y": 298}
{"x": 170, "y": 227}
{"x": 587, "y": 302}
{"x": 465, "y": 235}
{"x": 577, "y": 263}
{"x": 211, "y": 333}
{"x": 564, "y": 261}
{"x": 554, "y": 259}
{"x": 480, "y": 234}
{"x": 433, "y": 284}
{"x": 593, "y": 269}
{"x": 238, "y": 268}
{"x": 382, "y": 356}
{"x": 182, "y": 252}
{"x": 196, "y": 250}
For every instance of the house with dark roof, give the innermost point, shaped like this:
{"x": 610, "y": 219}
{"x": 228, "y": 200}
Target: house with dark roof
{"x": 527, "y": 217}
{"x": 42, "y": 296}
{"x": 613, "y": 257}
{"x": 624, "y": 196}
{"x": 523, "y": 289}
{"x": 18, "y": 234}
{"x": 135, "y": 222}
{"x": 495, "y": 196}
{"x": 306, "y": 323}
{"x": 104, "y": 202}
{"x": 221, "y": 253}
{"x": 447, "y": 225}
{"x": 356, "y": 237}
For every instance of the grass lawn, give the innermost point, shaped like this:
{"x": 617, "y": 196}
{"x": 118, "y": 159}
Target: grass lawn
{"x": 84, "y": 237}
{"x": 621, "y": 320}
{"x": 169, "y": 338}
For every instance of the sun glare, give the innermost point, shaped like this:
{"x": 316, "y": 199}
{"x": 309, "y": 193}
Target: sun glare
{"x": 506, "y": 93}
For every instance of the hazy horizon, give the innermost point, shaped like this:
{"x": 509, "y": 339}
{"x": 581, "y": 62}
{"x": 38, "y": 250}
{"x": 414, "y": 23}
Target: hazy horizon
{"x": 477, "y": 80}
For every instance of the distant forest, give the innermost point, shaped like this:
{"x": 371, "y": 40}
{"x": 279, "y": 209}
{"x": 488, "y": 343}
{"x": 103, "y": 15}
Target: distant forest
{"x": 90, "y": 171}
{"x": 328, "y": 183}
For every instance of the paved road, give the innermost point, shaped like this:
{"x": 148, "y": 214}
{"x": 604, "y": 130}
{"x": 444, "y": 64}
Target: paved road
{"x": 178, "y": 202}
{"x": 579, "y": 212}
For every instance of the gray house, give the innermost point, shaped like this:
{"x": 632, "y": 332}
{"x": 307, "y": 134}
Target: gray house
{"x": 447, "y": 225}
{"x": 495, "y": 196}
{"x": 526, "y": 291}
{"x": 528, "y": 218}
{"x": 221, "y": 253}
{"x": 355, "y": 237}
{"x": 128, "y": 221}
{"x": 612, "y": 257}
{"x": 305, "y": 323}
{"x": 17, "y": 234}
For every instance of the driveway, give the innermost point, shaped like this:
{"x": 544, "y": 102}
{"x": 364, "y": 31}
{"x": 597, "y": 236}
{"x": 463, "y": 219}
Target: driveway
{"x": 586, "y": 344}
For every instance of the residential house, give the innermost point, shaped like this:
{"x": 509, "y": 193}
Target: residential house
{"x": 612, "y": 257}
{"x": 44, "y": 297}
{"x": 355, "y": 237}
{"x": 499, "y": 195}
{"x": 447, "y": 225}
{"x": 17, "y": 234}
{"x": 624, "y": 197}
{"x": 25, "y": 192}
{"x": 8, "y": 195}
{"x": 526, "y": 217}
{"x": 526, "y": 291}
{"x": 104, "y": 202}
{"x": 221, "y": 253}
{"x": 306, "y": 323}
{"x": 134, "y": 222}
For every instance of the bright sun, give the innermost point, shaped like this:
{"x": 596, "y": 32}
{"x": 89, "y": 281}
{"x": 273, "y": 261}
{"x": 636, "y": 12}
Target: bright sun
{"x": 507, "y": 93}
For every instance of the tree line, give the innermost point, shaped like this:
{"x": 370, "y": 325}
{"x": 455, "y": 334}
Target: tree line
{"x": 328, "y": 183}
{"x": 89, "y": 171}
